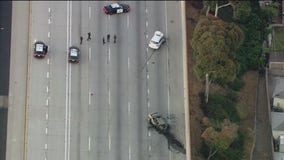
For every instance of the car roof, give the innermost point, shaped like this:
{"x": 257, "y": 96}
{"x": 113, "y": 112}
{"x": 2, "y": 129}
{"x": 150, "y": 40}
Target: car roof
{"x": 39, "y": 47}
{"x": 156, "y": 38}
{"x": 115, "y": 5}
{"x": 73, "y": 52}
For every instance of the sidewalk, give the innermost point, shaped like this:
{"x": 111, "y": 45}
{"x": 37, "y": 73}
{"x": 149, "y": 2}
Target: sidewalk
{"x": 262, "y": 148}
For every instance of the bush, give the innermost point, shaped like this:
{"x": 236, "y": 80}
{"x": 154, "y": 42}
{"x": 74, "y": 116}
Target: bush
{"x": 221, "y": 107}
{"x": 237, "y": 84}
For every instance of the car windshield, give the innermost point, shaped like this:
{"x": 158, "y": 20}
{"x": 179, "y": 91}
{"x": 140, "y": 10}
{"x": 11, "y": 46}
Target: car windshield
{"x": 39, "y": 47}
{"x": 73, "y": 53}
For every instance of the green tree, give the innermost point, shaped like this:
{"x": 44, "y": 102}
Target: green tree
{"x": 219, "y": 141}
{"x": 214, "y": 43}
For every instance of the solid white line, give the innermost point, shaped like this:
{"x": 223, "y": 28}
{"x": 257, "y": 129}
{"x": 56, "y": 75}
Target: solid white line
{"x": 89, "y": 143}
{"x": 48, "y": 9}
{"x": 128, "y": 63}
{"x": 47, "y": 75}
{"x": 90, "y": 53}
{"x": 48, "y": 35}
{"x": 127, "y": 21}
{"x": 48, "y": 61}
{"x": 89, "y": 12}
{"x": 146, "y": 23}
{"x": 66, "y": 87}
{"x": 166, "y": 16}
{"x": 46, "y": 130}
{"x": 46, "y": 102}
{"x": 47, "y": 89}
{"x": 46, "y": 116}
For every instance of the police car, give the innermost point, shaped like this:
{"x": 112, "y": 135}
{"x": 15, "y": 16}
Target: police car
{"x": 157, "y": 40}
{"x": 40, "y": 49}
{"x": 74, "y": 54}
{"x": 115, "y": 8}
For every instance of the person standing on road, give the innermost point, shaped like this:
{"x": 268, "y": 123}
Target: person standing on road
{"x": 108, "y": 37}
{"x": 89, "y": 36}
{"x": 114, "y": 39}
{"x": 81, "y": 40}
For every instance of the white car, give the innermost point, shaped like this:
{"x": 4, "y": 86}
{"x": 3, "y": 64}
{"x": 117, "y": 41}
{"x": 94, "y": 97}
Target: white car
{"x": 157, "y": 40}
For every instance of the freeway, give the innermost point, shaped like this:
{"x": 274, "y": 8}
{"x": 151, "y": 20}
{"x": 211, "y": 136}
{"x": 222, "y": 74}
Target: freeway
{"x": 98, "y": 109}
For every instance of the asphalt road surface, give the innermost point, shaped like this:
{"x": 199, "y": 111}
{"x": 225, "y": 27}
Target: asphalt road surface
{"x": 98, "y": 109}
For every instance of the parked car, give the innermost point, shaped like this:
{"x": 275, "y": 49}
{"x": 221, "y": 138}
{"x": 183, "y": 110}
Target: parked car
{"x": 157, "y": 40}
{"x": 40, "y": 49}
{"x": 74, "y": 54}
{"x": 116, "y": 8}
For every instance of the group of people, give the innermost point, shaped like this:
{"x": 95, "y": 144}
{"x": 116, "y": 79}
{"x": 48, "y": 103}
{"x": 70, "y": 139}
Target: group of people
{"x": 108, "y": 38}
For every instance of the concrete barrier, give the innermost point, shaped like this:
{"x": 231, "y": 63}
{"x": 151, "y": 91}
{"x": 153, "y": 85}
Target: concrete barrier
{"x": 3, "y": 102}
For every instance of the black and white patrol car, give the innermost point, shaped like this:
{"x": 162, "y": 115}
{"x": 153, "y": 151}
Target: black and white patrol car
{"x": 115, "y": 8}
{"x": 40, "y": 49}
{"x": 74, "y": 54}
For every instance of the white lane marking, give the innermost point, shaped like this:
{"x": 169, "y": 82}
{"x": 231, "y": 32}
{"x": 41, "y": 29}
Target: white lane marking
{"x": 166, "y": 17}
{"x": 146, "y": 23}
{"x": 48, "y": 9}
{"x": 49, "y": 20}
{"x": 148, "y": 104}
{"x": 48, "y": 61}
{"x": 46, "y": 102}
{"x": 148, "y": 91}
{"x": 90, "y": 53}
{"x": 45, "y": 158}
{"x": 46, "y": 130}
{"x": 128, "y": 62}
{"x": 46, "y": 116}
{"x": 34, "y": 40}
{"x": 48, "y": 35}
{"x": 109, "y": 54}
{"x": 149, "y": 133}
{"x": 128, "y": 21}
{"x": 47, "y": 75}
{"x": 146, "y": 36}
{"x": 89, "y": 12}
{"x": 109, "y": 141}
{"x": 147, "y": 49}
{"x": 150, "y": 148}
{"x": 109, "y": 96}
{"x": 90, "y": 97}
{"x": 128, "y": 107}
{"x": 147, "y": 76}
{"x": 146, "y": 10}
{"x": 129, "y": 153}
{"x": 45, "y": 146}
{"x": 89, "y": 143}
{"x": 47, "y": 89}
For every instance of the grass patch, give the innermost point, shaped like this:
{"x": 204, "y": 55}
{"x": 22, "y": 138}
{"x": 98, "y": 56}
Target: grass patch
{"x": 278, "y": 39}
